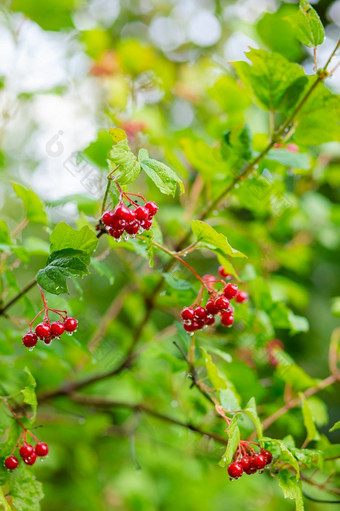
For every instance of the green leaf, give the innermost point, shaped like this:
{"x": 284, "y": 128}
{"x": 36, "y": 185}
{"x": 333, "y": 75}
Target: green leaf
{"x": 33, "y": 206}
{"x": 294, "y": 375}
{"x": 3, "y": 502}
{"x": 308, "y": 420}
{"x": 5, "y": 237}
{"x": 176, "y": 283}
{"x": 269, "y": 78}
{"x": 297, "y": 323}
{"x": 29, "y": 393}
{"x": 229, "y": 399}
{"x": 290, "y": 159}
{"x": 12, "y": 438}
{"x": 336, "y": 306}
{"x": 99, "y": 149}
{"x": 234, "y": 436}
{"x": 236, "y": 147}
{"x": 217, "y": 381}
{"x": 307, "y": 25}
{"x": 163, "y": 176}
{"x": 291, "y": 489}
{"x": 286, "y": 447}
{"x": 122, "y": 160}
{"x": 65, "y": 237}
{"x": 61, "y": 265}
{"x": 335, "y": 427}
{"x": 251, "y": 411}
{"x": 54, "y": 15}
{"x": 25, "y": 490}
{"x": 211, "y": 239}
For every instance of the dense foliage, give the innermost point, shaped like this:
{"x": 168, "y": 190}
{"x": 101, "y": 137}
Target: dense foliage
{"x": 191, "y": 254}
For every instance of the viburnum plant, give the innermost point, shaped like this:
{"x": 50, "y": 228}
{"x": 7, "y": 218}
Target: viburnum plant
{"x": 178, "y": 300}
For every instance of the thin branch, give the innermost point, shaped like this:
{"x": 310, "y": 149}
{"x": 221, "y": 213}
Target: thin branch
{"x": 18, "y": 296}
{"x": 140, "y": 407}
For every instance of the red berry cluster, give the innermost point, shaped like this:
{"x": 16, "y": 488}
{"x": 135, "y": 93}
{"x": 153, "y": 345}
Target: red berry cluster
{"x": 196, "y": 317}
{"x": 129, "y": 221}
{"x": 47, "y": 331}
{"x": 250, "y": 462}
{"x": 28, "y": 453}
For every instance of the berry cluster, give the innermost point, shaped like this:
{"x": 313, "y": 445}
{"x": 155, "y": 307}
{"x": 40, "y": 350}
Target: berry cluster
{"x": 196, "y": 317}
{"x": 47, "y": 330}
{"x": 124, "y": 221}
{"x": 28, "y": 453}
{"x": 249, "y": 462}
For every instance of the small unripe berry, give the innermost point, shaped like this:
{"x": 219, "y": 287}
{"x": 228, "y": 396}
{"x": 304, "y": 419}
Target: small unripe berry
{"x": 30, "y": 340}
{"x": 235, "y": 470}
{"x": 222, "y": 303}
{"x": 31, "y": 459}
{"x": 41, "y": 449}
{"x": 70, "y": 324}
{"x": 11, "y": 463}
{"x": 43, "y": 330}
{"x": 230, "y": 291}
{"x": 241, "y": 297}
{"x": 152, "y": 208}
{"x": 57, "y": 328}
{"x": 26, "y": 451}
{"x": 188, "y": 314}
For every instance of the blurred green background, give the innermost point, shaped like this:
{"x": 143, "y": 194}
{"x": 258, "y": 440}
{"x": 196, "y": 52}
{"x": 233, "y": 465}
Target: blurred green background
{"x": 71, "y": 69}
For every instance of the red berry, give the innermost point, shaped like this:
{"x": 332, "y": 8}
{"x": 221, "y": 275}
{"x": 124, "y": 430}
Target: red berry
{"x": 190, "y": 327}
{"x": 31, "y": 459}
{"x": 133, "y": 227}
{"x": 142, "y": 213}
{"x": 230, "y": 291}
{"x": 43, "y": 330}
{"x": 259, "y": 462}
{"x": 146, "y": 224}
{"x": 209, "y": 320}
{"x": 227, "y": 318}
{"x": 245, "y": 462}
{"x": 108, "y": 217}
{"x": 26, "y": 451}
{"x": 241, "y": 297}
{"x": 30, "y": 340}
{"x": 235, "y": 470}
{"x": 211, "y": 307}
{"x": 188, "y": 314}
{"x": 122, "y": 212}
{"x": 41, "y": 449}
{"x": 250, "y": 470}
{"x": 200, "y": 313}
{"x": 223, "y": 273}
{"x": 57, "y": 328}
{"x": 222, "y": 303}
{"x": 152, "y": 208}
{"x": 267, "y": 454}
{"x": 116, "y": 233}
{"x": 48, "y": 340}
{"x": 11, "y": 462}
{"x": 70, "y": 324}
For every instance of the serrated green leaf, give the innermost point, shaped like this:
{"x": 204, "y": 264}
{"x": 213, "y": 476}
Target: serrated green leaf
{"x": 122, "y": 160}
{"x": 251, "y": 411}
{"x": 291, "y": 489}
{"x": 268, "y": 78}
{"x": 61, "y": 265}
{"x": 64, "y": 237}
{"x": 335, "y": 426}
{"x": 236, "y": 147}
{"x": 289, "y": 159}
{"x": 211, "y": 239}
{"x": 234, "y": 436}
{"x": 307, "y": 25}
{"x": 25, "y": 490}
{"x": 33, "y": 206}
{"x": 163, "y": 176}
{"x": 217, "y": 381}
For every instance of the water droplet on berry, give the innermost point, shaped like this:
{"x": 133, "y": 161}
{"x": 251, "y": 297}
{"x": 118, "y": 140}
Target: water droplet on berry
{"x": 30, "y": 349}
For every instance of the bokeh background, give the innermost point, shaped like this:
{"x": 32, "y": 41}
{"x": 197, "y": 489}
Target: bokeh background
{"x": 71, "y": 69}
